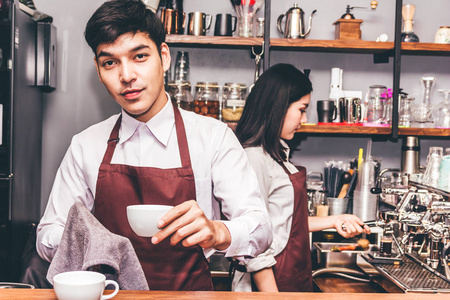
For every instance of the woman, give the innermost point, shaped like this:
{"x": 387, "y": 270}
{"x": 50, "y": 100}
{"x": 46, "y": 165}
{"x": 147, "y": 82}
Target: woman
{"x": 274, "y": 110}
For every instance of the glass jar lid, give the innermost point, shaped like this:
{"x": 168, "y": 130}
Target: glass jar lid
{"x": 182, "y": 85}
{"x": 207, "y": 85}
{"x": 235, "y": 86}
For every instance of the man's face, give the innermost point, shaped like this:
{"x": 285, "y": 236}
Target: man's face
{"x": 133, "y": 73}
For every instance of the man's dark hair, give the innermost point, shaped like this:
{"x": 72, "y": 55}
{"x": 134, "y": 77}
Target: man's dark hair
{"x": 266, "y": 106}
{"x": 116, "y": 17}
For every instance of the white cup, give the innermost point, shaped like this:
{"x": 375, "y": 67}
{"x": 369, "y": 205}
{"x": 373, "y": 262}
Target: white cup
{"x": 152, "y": 4}
{"x": 82, "y": 285}
{"x": 144, "y": 218}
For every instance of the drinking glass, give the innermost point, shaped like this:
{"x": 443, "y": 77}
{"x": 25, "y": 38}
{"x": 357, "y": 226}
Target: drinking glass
{"x": 405, "y": 115}
{"x": 182, "y": 66}
{"x": 246, "y": 25}
{"x": 441, "y": 113}
{"x": 434, "y": 158}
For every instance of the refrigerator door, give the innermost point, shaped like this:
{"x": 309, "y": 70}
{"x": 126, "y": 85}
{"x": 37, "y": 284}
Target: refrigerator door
{"x": 22, "y": 138}
{"x": 46, "y": 56}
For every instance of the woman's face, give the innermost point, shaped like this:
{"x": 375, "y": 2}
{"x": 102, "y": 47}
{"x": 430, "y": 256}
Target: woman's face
{"x": 295, "y": 116}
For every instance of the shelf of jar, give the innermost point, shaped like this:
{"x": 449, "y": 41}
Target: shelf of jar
{"x": 426, "y": 49}
{"x": 212, "y": 41}
{"x": 344, "y": 46}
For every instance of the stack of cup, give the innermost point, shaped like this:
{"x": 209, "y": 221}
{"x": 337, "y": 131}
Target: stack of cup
{"x": 364, "y": 202}
{"x": 444, "y": 173}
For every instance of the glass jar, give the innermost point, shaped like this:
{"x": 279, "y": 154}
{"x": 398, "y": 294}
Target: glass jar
{"x": 260, "y": 27}
{"x": 233, "y": 101}
{"x": 206, "y": 99}
{"x": 375, "y": 103}
{"x": 405, "y": 115}
{"x": 180, "y": 94}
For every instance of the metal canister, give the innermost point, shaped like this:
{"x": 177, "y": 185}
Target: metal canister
{"x": 410, "y": 155}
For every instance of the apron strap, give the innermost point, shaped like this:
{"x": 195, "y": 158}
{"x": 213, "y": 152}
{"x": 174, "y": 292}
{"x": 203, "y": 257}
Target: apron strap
{"x": 183, "y": 147}
{"x": 112, "y": 142}
{"x": 182, "y": 139}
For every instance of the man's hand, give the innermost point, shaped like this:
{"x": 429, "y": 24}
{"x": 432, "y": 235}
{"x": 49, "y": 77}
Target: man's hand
{"x": 188, "y": 224}
{"x": 350, "y": 225}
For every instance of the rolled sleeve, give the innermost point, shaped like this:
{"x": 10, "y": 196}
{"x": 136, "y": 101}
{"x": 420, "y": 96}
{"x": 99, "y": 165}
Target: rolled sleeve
{"x": 236, "y": 188}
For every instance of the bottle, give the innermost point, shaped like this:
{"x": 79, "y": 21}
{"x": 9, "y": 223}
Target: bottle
{"x": 388, "y": 108}
{"x": 260, "y": 27}
{"x": 182, "y": 71}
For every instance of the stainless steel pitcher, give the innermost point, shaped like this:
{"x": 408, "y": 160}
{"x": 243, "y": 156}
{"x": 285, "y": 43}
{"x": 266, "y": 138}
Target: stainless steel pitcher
{"x": 294, "y": 24}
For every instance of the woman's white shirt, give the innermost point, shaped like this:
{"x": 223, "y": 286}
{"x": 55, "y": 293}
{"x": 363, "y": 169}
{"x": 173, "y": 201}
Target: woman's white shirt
{"x": 278, "y": 193}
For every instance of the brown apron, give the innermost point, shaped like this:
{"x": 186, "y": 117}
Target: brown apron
{"x": 293, "y": 271}
{"x": 166, "y": 267}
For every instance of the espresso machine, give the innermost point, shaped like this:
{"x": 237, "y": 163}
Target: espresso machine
{"x": 420, "y": 224}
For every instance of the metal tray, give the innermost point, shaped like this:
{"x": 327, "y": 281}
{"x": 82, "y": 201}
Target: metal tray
{"x": 413, "y": 277}
{"x": 343, "y": 259}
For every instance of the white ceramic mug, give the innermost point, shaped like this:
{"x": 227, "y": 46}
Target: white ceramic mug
{"x": 82, "y": 285}
{"x": 144, "y": 218}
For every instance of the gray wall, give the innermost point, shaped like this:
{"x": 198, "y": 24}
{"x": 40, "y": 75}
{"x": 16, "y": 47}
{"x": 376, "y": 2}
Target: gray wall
{"x": 80, "y": 100}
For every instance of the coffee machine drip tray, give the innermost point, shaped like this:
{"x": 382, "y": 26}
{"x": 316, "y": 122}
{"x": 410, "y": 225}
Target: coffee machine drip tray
{"x": 414, "y": 276}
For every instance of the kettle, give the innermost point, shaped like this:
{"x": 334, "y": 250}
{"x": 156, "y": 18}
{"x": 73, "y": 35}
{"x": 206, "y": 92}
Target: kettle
{"x": 294, "y": 25}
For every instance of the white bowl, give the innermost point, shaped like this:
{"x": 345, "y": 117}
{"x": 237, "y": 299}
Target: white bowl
{"x": 144, "y": 218}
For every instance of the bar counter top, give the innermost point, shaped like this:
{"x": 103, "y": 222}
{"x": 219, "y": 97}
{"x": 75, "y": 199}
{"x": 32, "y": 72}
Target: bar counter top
{"x": 49, "y": 294}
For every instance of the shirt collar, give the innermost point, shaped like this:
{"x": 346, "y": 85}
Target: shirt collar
{"x": 287, "y": 149}
{"x": 160, "y": 125}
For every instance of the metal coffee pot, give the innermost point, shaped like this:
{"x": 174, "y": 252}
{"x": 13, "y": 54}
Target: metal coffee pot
{"x": 294, "y": 24}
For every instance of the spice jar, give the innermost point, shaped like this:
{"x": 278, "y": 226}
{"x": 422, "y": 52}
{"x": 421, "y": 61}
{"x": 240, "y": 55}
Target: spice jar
{"x": 180, "y": 94}
{"x": 233, "y": 101}
{"x": 442, "y": 35}
{"x": 206, "y": 99}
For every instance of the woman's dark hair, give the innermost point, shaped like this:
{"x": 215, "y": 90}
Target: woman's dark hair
{"x": 116, "y": 17}
{"x": 265, "y": 110}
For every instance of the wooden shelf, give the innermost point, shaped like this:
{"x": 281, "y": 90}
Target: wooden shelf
{"x": 363, "y": 130}
{"x": 430, "y": 49}
{"x": 344, "y": 46}
{"x": 342, "y": 129}
{"x": 212, "y": 41}
{"x": 424, "y": 131}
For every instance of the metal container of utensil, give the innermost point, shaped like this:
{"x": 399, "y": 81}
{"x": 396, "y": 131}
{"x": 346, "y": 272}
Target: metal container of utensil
{"x": 344, "y": 259}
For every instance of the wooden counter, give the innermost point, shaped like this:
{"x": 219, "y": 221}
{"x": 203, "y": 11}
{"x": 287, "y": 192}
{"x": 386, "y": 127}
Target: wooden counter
{"x": 38, "y": 294}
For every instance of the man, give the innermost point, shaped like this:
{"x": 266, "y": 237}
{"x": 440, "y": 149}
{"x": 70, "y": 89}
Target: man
{"x": 153, "y": 153}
